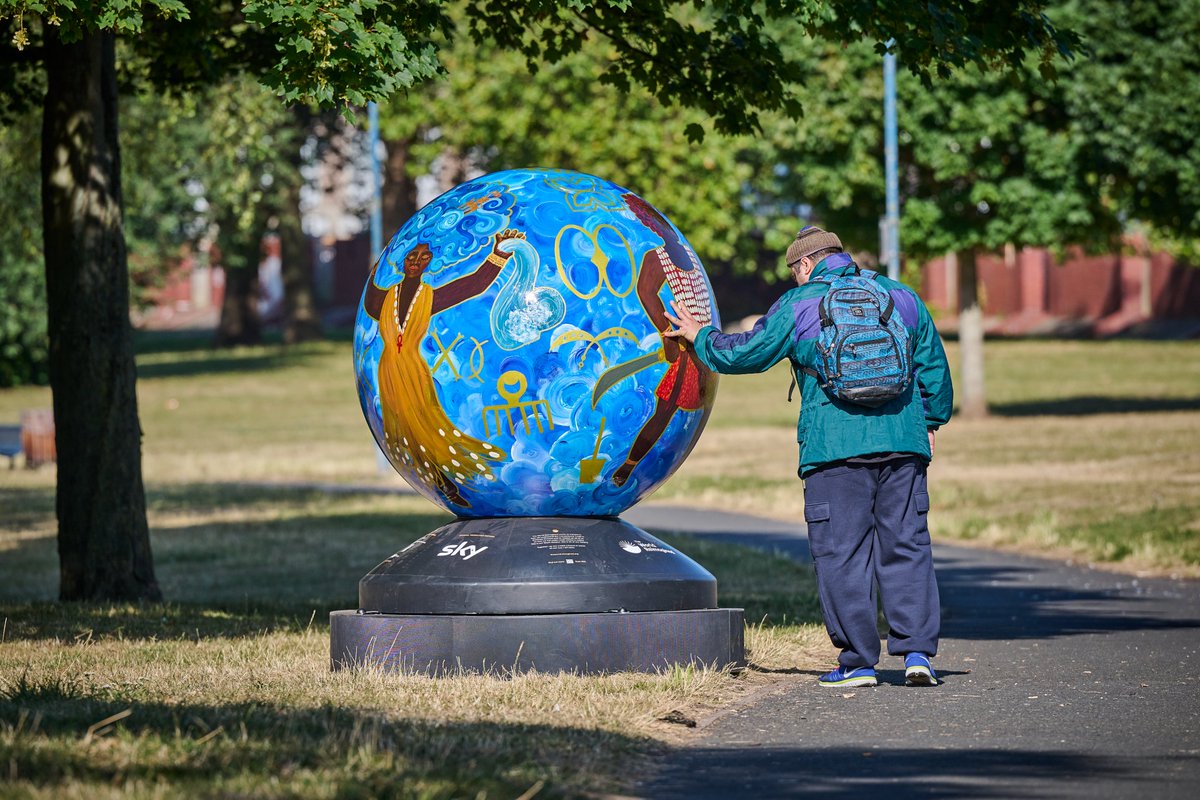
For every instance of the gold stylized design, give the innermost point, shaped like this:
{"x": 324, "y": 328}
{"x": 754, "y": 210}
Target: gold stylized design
{"x": 599, "y": 259}
{"x": 614, "y": 375}
{"x": 593, "y": 341}
{"x": 476, "y": 203}
{"x": 445, "y": 356}
{"x": 589, "y": 468}
{"x": 585, "y": 194}
{"x": 511, "y": 386}
{"x": 476, "y": 369}
{"x": 475, "y": 361}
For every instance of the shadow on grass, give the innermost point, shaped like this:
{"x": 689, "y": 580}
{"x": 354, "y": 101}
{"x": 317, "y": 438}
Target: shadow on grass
{"x": 288, "y": 557}
{"x": 192, "y": 364}
{"x": 148, "y": 342}
{"x": 181, "y": 354}
{"x": 240, "y": 749}
{"x": 83, "y": 623}
{"x": 1090, "y": 405}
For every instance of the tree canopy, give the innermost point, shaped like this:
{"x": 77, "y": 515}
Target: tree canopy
{"x": 721, "y": 58}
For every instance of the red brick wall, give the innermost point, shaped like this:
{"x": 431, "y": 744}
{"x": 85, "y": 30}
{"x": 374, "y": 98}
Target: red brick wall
{"x": 1079, "y": 287}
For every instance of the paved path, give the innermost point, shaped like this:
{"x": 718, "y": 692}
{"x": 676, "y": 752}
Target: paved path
{"x": 1060, "y": 681}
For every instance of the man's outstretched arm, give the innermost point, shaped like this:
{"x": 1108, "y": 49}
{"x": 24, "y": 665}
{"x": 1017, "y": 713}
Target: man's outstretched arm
{"x": 756, "y": 350}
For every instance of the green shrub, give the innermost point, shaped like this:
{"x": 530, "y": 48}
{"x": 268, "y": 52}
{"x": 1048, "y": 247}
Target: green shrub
{"x": 24, "y": 349}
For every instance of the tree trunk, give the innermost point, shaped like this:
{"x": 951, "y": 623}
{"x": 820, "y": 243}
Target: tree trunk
{"x": 103, "y": 538}
{"x": 399, "y": 189}
{"x": 239, "y": 322}
{"x": 301, "y": 319}
{"x": 973, "y": 396}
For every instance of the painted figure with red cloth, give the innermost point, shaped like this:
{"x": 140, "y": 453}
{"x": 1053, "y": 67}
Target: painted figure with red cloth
{"x": 687, "y": 384}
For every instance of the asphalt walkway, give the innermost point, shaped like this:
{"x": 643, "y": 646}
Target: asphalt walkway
{"x": 1059, "y": 681}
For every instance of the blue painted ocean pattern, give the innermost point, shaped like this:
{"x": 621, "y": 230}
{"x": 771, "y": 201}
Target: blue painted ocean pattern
{"x": 515, "y": 366}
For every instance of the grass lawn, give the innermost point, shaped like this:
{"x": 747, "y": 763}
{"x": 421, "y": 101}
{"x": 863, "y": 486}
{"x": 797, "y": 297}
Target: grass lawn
{"x": 226, "y": 691}
{"x": 1093, "y": 452}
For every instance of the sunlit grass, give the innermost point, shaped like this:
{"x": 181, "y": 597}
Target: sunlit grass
{"x": 226, "y": 690}
{"x": 1092, "y": 452}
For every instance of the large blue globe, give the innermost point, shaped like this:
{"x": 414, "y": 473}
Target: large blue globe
{"x": 508, "y": 348}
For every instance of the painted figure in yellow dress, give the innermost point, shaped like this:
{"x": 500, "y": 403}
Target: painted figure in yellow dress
{"x": 418, "y": 435}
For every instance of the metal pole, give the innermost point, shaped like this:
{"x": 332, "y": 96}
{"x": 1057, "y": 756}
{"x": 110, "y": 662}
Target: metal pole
{"x": 890, "y": 164}
{"x": 376, "y": 181}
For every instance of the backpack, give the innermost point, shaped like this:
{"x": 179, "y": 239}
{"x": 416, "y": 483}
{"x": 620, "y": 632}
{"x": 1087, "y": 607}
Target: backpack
{"x": 864, "y": 351}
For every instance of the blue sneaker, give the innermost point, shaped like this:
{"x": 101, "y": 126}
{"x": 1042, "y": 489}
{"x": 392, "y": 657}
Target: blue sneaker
{"x": 918, "y": 671}
{"x": 845, "y": 677}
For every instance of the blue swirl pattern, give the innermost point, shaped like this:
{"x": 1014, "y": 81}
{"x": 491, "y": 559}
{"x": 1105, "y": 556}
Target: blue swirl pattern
{"x": 548, "y": 337}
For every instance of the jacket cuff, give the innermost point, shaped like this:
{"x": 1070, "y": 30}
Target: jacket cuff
{"x": 700, "y": 345}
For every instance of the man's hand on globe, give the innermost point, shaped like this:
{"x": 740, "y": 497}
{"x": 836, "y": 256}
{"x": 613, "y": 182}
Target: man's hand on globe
{"x": 686, "y": 326}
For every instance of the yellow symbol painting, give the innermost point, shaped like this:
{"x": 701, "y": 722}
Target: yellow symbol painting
{"x": 585, "y": 193}
{"x": 599, "y": 259}
{"x": 589, "y": 468}
{"x": 445, "y": 356}
{"x": 511, "y": 386}
{"x": 592, "y": 341}
{"x": 476, "y": 364}
{"x": 475, "y": 361}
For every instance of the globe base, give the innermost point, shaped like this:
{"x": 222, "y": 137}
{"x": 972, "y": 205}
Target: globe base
{"x": 441, "y": 644}
{"x": 577, "y": 594}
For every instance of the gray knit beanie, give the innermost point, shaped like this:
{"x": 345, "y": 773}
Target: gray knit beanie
{"x": 809, "y": 240}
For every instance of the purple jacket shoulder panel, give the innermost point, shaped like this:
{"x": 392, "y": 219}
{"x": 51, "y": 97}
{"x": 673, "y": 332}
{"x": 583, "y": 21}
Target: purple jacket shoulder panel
{"x": 807, "y": 317}
{"x": 906, "y": 305}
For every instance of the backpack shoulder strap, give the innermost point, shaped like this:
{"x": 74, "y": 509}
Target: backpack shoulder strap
{"x": 806, "y": 371}
{"x": 886, "y": 316}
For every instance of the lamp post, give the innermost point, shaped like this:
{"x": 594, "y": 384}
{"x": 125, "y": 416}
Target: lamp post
{"x": 376, "y": 180}
{"x": 891, "y": 224}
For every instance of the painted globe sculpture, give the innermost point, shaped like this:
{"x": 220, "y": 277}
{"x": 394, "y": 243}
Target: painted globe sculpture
{"x": 509, "y": 352}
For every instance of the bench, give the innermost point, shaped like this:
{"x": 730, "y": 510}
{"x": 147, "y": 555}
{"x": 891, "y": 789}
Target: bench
{"x": 10, "y": 442}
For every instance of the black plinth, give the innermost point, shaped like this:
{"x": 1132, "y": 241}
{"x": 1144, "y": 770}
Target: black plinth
{"x": 435, "y": 644}
{"x": 547, "y": 593}
{"x": 536, "y": 565}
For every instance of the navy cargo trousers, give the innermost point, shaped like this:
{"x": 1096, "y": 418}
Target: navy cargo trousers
{"x": 867, "y": 526}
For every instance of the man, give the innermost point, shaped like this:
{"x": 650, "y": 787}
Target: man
{"x": 865, "y": 494}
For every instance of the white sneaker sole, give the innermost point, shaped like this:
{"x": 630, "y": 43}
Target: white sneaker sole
{"x": 850, "y": 683}
{"x": 919, "y": 676}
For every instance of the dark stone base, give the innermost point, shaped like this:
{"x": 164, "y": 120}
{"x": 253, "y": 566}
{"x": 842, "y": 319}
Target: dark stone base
{"x": 435, "y": 644}
{"x": 536, "y": 565}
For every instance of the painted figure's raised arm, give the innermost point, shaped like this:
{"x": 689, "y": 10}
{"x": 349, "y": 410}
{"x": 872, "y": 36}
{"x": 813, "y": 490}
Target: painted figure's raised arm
{"x": 477, "y": 282}
{"x": 373, "y": 297}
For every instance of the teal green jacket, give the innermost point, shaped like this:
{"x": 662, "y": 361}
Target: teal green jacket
{"x": 830, "y": 430}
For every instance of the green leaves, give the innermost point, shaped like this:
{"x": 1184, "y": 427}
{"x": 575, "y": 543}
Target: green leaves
{"x": 122, "y": 16}
{"x": 24, "y": 348}
{"x": 727, "y": 58}
{"x": 336, "y": 53}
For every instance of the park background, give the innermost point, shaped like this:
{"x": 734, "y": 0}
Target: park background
{"x": 264, "y": 497}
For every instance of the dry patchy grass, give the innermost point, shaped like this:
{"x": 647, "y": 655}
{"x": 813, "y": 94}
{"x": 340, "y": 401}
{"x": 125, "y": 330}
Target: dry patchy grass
{"x": 1092, "y": 452}
{"x": 226, "y": 691}
{"x": 261, "y": 715}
